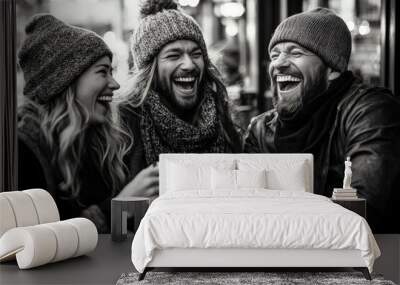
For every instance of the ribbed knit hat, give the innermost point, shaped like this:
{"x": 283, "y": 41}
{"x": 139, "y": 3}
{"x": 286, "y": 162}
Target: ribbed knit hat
{"x": 162, "y": 23}
{"x": 320, "y": 31}
{"x": 54, "y": 54}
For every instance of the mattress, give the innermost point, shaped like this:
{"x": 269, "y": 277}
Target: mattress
{"x": 252, "y": 218}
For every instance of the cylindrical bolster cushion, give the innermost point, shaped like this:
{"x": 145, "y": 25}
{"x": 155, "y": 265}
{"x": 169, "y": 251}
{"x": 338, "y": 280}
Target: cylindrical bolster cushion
{"x": 45, "y": 205}
{"x": 33, "y": 246}
{"x": 7, "y": 218}
{"x": 87, "y": 235}
{"x": 67, "y": 240}
{"x": 23, "y": 208}
{"x": 40, "y": 244}
{"x": 26, "y": 208}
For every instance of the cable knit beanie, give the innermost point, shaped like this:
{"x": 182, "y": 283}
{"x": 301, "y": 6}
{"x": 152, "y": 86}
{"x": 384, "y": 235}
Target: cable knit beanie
{"x": 320, "y": 31}
{"x": 54, "y": 54}
{"x": 161, "y": 23}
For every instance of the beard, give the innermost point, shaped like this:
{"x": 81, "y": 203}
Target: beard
{"x": 173, "y": 101}
{"x": 288, "y": 105}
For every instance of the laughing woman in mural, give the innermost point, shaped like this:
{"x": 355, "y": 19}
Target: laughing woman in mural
{"x": 68, "y": 143}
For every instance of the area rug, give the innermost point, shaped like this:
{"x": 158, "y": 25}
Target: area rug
{"x": 243, "y": 278}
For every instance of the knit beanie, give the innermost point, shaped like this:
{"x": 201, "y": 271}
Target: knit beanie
{"x": 320, "y": 31}
{"x": 162, "y": 23}
{"x": 54, "y": 54}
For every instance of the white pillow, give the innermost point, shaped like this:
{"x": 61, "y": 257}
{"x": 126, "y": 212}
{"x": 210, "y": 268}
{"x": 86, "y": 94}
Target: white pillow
{"x": 225, "y": 179}
{"x": 181, "y": 177}
{"x": 290, "y": 179}
{"x": 251, "y": 178}
{"x": 192, "y": 174}
{"x": 281, "y": 174}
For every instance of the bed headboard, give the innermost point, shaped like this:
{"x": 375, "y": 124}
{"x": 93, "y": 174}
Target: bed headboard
{"x": 298, "y": 166}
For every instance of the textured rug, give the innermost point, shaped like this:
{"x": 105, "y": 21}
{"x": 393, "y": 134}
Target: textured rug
{"x": 243, "y": 278}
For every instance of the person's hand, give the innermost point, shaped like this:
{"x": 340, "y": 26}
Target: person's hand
{"x": 144, "y": 184}
{"x": 94, "y": 214}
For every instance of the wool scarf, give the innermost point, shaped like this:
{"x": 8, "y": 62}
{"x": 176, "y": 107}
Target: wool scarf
{"x": 303, "y": 131}
{"x": 164, "y": 132}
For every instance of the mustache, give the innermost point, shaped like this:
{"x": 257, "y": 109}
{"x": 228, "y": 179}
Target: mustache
{"x": 192, "y": 73}
{"x": 274, "y": 72}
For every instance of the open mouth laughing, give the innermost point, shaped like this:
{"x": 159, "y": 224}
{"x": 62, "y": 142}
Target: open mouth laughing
{"x": 187, "y": 85}
{"x": 104, "y": 100}
{"x": 287, "y": 83}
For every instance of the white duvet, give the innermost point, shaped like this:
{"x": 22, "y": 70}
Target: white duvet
{"x": 250, "y": 219}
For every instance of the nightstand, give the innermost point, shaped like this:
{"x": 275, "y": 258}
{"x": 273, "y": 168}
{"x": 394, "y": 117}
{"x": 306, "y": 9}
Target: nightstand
{"x": 358, "y": 205}
{"x": 120, "y": 210}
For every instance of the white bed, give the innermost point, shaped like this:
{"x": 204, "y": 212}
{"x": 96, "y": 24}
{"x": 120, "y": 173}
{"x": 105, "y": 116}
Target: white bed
{"x": 247, "y": 210}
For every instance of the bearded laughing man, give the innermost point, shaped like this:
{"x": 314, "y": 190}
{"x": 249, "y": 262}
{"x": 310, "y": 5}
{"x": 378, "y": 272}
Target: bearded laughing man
{"x": 176, "y": 101}
{"x": 323, "y": 109}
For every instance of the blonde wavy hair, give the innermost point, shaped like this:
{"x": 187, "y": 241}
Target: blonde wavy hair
{"x": 66, "y": 127}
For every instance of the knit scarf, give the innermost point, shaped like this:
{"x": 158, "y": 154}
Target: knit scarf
{"x": 303, "y": 131}
{"x": 163, "y": 132}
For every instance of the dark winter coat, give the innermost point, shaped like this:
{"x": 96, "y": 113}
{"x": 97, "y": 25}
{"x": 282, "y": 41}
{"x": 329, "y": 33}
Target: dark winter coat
{"x": 367, "y": 129}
